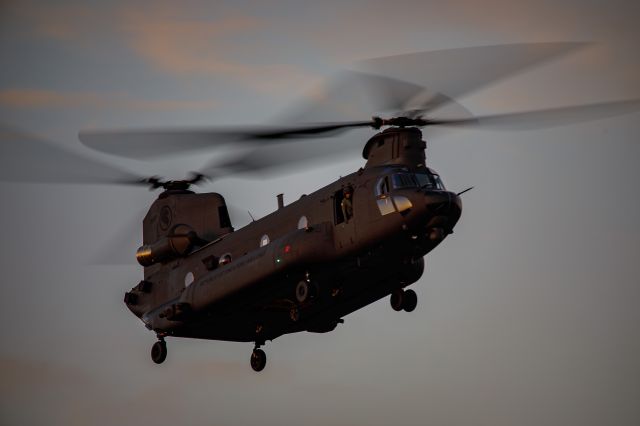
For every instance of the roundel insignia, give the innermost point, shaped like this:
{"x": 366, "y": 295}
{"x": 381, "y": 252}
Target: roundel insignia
{"x": 165, "y": 218}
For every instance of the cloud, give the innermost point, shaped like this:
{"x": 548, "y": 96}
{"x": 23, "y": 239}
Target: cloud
{"x": 34, "y": 98}
{"x": 182, "y": 45}
{"x": 63, "y": 22}
{"x": 201, "y": 45}
{"x": 202, "y": 40}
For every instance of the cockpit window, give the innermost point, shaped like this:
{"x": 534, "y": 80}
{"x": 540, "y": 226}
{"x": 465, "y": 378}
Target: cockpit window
{"x": 424, "y": 180}
{"x": 404, "y": 180}
{"x": 438, "y": 181}
{"x": 429, "y": 181}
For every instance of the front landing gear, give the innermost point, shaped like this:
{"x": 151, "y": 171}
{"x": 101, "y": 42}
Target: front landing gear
{"x": 406, "y": 300}
{"x": 258, "y": 359}
{"x": 159, "y": 351}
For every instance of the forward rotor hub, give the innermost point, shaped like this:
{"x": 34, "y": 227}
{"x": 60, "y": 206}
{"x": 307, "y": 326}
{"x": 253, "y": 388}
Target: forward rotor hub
{"x": 398, "y": 121}
{"x": 174, "y": 185}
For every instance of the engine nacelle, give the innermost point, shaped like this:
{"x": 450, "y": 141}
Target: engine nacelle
{"x": 177, "y": 244}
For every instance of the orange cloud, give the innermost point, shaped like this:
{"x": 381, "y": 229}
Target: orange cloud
{"x": 183, "y": 45}
{"x": 182, "y": 41}
{"x": 34, "y": 98}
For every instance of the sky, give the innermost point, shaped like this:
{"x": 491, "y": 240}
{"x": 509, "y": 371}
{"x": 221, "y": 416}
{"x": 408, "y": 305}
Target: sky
{"x": 527, "y": 315}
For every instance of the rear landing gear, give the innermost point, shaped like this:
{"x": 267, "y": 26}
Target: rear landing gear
{"x": 305, "y": 290}
{"x": 406, "y": 300}
{"x": 159, "y": 351}
{"x": 258, "y": 359}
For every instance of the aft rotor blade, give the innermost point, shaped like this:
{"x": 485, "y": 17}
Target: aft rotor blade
{"x": 28, "y": 158}
{"x": 544, "y": 118}
{"x": 121, "y": 245}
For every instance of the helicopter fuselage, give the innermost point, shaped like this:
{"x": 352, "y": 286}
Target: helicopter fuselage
{"x": 303, "y": 267}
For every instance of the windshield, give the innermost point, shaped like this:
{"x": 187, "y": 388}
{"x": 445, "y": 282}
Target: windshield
{"x": 404, "y": 180}
{"x": 429, "y": 181}
{"x": 424, "y": 180}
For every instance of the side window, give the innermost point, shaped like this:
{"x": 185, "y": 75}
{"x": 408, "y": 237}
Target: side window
{"x": 303, "y": 223}
{"x": 382, "y": 188}
{"x": 189, "y": 278}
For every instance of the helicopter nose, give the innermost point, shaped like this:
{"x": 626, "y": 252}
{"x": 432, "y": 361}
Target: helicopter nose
{"x": 444, "y": 204}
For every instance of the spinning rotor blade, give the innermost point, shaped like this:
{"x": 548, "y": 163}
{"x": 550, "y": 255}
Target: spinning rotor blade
{"x": 388, "y": 83}
{"x": 348, "y": 95}
{"x": 544, "y": 118}
{"x": 142, "y": 144}
{"x": 263, "y": 160}
{"x": 381, "y": 93}
{"x": 458, "y": 72}
{"x": 27, "y": 158}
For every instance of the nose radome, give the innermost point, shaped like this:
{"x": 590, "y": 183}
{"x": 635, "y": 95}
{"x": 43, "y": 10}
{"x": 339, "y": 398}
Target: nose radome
{"x": 444, "y": 203}
{"x": 437, "y": 201}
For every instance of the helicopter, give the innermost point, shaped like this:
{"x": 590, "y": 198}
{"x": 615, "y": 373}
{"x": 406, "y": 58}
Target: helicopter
{"x": 301, "y": 268}
{"x": 310, "y": 263}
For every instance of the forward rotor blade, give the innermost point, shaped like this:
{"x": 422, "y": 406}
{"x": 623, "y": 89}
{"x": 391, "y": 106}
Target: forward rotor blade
{"x": 331, "y": 105}
{"x": 316, "y": 130}
{"x": 27, "y": 158}
{"x": 350, "y": 95}
{"x": 458, "y": 72}
{"x": 388, "y": 83}
{"x": 277, "y": 159}
{"x": 148, "y": 144}
{"x": 544, "y": 118}
{"x": 272, "y": 159}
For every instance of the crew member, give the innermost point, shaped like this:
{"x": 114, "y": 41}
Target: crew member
{"x": 346, "y": 205}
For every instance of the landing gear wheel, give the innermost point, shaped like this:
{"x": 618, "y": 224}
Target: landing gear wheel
{"x": 303, "y": 291}
{"x": 159, "y": 352}
{"x": 258, "y": 360}
{"x": 397, "y": 299}
{"x": 410, "y": 301}
{"x": 294, "y": 314}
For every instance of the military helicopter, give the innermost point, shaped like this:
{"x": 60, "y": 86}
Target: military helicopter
{"x": 301, "y": 268}
{"x": 308, "y": 264}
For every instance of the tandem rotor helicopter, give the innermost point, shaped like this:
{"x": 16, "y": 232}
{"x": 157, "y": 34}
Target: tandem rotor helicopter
{"x": 308, "y": 264}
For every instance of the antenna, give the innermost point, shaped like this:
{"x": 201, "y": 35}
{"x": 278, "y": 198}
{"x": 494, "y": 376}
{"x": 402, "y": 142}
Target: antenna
{"x": 462, "y": 192}
{"x": 251, "y": 216}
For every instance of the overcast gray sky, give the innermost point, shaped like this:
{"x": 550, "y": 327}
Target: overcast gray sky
{"x": 527, "y": 315}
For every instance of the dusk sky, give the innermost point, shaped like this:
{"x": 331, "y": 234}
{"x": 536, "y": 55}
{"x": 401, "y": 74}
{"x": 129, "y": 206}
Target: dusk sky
{"x": 529, "y": 314}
